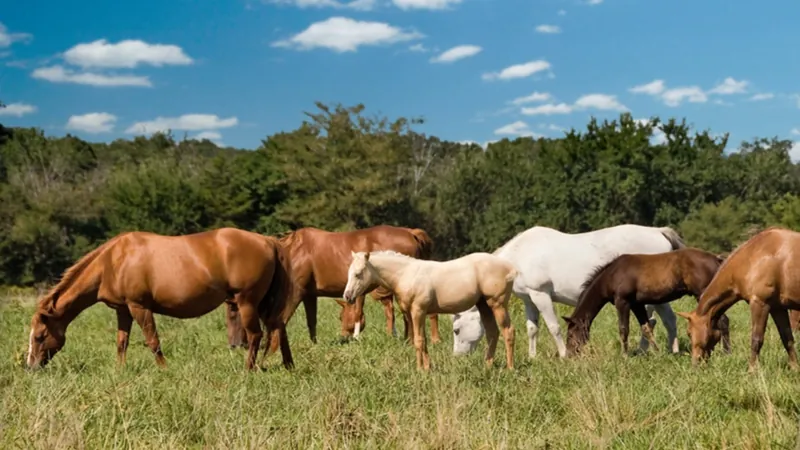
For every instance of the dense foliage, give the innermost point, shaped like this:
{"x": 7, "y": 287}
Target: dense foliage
{"x": 343, "y": 169}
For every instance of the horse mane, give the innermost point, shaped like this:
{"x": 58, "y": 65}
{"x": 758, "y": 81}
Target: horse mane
{"x": 390, "y": 253}
{"x": 596, "y": 272}
{"x": 70, "y": 275}
{"x": 752, "y": 237}
{"x": 287, "y": 238}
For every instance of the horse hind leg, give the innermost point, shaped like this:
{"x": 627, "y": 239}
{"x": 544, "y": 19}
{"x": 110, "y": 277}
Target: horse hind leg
{"x": 531, "y": 323}
{"x": 499, "y": 307}
{"x": 623, "y": 322}
{"x": 124, "y": 323}
{"x": 420, "y": 344}
{"x": 544, "y": 304}
{"x": 670, "y": 320}
{"x": 144, "y": 318}
{"x": 640, "y": 311}
{"x": 490, "y": 325}
{"x": 781, "y": 318}
{"x": 252, "y": 325}
{"x": 236, "y": 334}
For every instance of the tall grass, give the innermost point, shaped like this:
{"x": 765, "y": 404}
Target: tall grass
{"x": 368, "y": 394}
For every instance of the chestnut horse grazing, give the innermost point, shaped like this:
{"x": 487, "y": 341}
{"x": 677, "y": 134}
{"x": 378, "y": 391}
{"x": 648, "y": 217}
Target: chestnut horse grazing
{"x": 764, "y": 272}
{"x": 632, "y": 281}
{"x": 139, "y": 274}
{"x": 319, "y": 262}
{"x": 423, "y": 287}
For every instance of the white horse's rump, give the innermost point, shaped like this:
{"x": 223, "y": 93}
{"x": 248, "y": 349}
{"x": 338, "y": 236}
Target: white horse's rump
{"x": 552, "y": 267}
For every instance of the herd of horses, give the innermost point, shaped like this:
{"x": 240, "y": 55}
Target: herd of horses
{"x": 263, "y": 279}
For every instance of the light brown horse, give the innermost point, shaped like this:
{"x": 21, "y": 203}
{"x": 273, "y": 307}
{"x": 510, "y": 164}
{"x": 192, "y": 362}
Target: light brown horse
{"x": 424, "y": 287}
{"x": 764, "y": 272}
{"x": 319, "y": 268}
{"x": 140, "y": 274}
{"x": 631, "y": 281}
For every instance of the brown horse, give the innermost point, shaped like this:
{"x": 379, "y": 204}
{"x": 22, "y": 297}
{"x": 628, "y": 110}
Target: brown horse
{"x": 632, "y": 281}
{"x": 763, "y": 272}
{"x": 319, "y": 268}
{"x": 139, "y": 274}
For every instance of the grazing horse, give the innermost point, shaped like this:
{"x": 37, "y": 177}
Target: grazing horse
{"x": 764, "y": 273}
{"x": 632, "y": 281}
{"x": 422, "y": 287}
{"x": 553, "y": 266}
{"x": 319, "y": 260}
{"x": 140, "y": 274}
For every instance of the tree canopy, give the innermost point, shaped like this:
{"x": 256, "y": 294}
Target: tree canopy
{"x": 343, "y": 169}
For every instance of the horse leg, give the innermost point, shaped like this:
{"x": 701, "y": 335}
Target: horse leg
{"x": 501, "y": 316}
{"x": 490, "y": 325}
{"x": 388, "y": 312}
{"x": 544, "y": 304}
{"x": 781, "y": 318}
{"x": 124, "y": 323}
{"x": 623, "y": 319}
{"x": 531, "y": 322}
{"x": 758, "y": 324}
{"x": 434, "y": 319}
{"x": 236, "y": 334}
{"x": 725, "y": 329}
{"x": 252, "y": 326}
{"x": 418, "y": 322}
{"x": 640, "y": 312}
{"x": 310, "y": 305}
{"x": 670, "y": 320}
{"x": 144, "y": 318}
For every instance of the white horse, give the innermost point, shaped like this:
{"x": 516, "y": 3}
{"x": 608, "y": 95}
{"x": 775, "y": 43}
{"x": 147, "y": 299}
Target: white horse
{"x": 553, "y": 265}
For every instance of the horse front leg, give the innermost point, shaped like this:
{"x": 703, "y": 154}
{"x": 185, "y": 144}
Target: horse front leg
{"x": 670, "y": 321}
{"x": 124, "y": 324}
{"x": 640, "y": 312}
{"x": 310, "y": 305}
{"x": 781, "y": 318}
{"x": 144, "y": 318}
{"x": 236, "y": 334}
{"x": 623, "y": 322}
{"x": 490, "y": 325}
{"x": 544, "y": 304}
{"x": 434, "y": 320}
{"x": 420, "y": 344}
{"x": 725, "y": 330}
{"x": 758, "y": 325}
{"x": 252, "y": 326}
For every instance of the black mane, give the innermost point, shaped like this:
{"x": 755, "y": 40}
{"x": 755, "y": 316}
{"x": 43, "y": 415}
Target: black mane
{"x": 596, "y": 272}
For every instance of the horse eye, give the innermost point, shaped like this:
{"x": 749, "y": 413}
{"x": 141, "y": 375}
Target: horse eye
{"x": 40, "y": 338}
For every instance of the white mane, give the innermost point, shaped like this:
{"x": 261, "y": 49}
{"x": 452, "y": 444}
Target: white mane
{"x": 388, "y": 253}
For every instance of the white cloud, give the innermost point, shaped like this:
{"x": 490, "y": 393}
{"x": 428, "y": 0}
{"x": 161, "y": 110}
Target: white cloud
{"x": 357, "y": 5}
{"x": 420, "y": 48}
{"x": 796, "y": 131}
{"x": 187, "y": 122}
{"x": 210, "y": 135}
{"x": 533, "y": 98}
{"x": 92, "y": 122}
{"x": 425, "y": 4}
{"x": 17, "y": 109}
{"x": 342, "y": 34}
{"x": 730, "y": 86}
{"x": 676, "y": 96}
{"x": 763, "y": 96}
{"x": 602, "y": 102}
{"x": 518, "y": 128}
{"x": 593, "y": 2}
{"x": 657, "y": 137}
{"x": 125, "y": 54}
{"x": 654, "y": 87}
{"x": 547, "y": 109}
{"x": 518, "y": 70}
{"x": 6, "y": 38}
{"x": 58, "y": 74}
{"x": 548, "y": 29}
{"x": 794, "y": 152}
{"x": 562, "y": 12}
{"x": 456, "y": 53}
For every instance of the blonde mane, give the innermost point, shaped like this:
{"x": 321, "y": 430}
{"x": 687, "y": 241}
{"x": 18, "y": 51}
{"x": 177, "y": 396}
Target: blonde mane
{"x": 389, "y": 253}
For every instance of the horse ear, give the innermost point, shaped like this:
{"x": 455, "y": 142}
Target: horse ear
{"x": 353, "y": 254}
{"x": 341, "y": 302}
{"x": 685, "y": 315}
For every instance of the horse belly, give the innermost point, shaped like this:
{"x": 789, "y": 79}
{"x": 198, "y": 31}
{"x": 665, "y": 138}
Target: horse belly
{"x": 186, "y": 305}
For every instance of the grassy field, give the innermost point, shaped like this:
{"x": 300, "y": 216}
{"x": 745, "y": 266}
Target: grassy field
{"x": 368, "y": 394}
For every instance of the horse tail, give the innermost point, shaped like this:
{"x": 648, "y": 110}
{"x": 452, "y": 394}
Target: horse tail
{"x": 673, "y": 237}
{"x": 424, "y": 243}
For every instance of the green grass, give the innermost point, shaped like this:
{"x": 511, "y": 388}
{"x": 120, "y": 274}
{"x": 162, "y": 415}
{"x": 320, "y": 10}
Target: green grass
{"x": 368, "y": 394}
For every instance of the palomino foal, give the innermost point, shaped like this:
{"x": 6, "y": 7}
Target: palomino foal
{"x": 424, "y": 287}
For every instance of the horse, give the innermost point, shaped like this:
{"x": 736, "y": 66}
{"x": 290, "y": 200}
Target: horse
{"x": 319, "y": 261}
{"x": 422, "y": 287}
{"x": 632, "y": 281}
{"x": 763, "y": 272}
{"x": 140, "y": 274}
{"x": 553, "y": 265}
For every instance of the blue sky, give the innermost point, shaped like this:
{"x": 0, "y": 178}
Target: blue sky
{"x": 239, "y": 70}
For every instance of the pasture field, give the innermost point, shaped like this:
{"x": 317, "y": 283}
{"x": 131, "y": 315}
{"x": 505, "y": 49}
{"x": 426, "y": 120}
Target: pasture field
{"x": 368, "y": 394}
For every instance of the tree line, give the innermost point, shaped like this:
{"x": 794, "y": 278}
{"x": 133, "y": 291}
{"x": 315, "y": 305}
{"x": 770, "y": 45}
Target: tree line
{"x": 343, "y": 169}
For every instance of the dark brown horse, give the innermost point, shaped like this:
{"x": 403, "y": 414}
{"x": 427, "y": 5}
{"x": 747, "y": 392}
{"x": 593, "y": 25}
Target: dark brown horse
{"x": 764, "y": 272}
{"x": 140, "y": 274}
{"x": 632, "y": 281}
{"x": 320, "y": 260}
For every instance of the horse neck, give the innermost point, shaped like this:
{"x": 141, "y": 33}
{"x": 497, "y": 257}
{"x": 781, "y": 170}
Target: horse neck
{"x": 78, "y": 295}
{"x": 590, "y": 303}
{"x": 717, "y": 298}
{"x": 389, "y": 269}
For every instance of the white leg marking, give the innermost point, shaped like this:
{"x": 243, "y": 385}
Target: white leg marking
{"x": 30, "y": 348}
{"x": 670, "y": 320}
{"x": 358, "y": 330}
{"x": 531, "y": 322}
